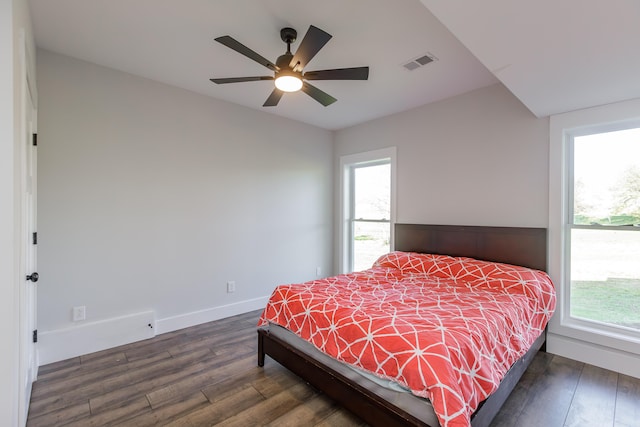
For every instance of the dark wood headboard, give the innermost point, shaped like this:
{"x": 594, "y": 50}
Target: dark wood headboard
{"x": 510, "y": 245}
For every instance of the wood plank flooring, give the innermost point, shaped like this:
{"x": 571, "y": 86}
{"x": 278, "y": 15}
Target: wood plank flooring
{"x": 208, "y": 375}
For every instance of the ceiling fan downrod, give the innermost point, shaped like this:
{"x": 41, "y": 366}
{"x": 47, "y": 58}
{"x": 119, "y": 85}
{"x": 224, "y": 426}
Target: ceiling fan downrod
{"x": 288, "y": 35}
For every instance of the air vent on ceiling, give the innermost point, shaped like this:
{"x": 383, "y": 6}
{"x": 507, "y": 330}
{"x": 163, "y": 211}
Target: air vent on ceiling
{"x": 420, "y": 61}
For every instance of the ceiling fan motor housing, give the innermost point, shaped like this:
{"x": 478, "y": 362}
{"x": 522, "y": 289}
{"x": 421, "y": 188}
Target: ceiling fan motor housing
{"x": 283, "y": 61}
{"x": 286, "y": 73}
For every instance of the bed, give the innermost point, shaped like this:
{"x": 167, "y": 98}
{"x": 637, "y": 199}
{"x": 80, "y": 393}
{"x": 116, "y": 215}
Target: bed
{"x": 367, "y": 391}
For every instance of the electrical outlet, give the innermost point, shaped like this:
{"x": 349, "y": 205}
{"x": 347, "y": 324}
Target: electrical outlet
{"x": 79, "y": 313}
{"x": 318, "y": 271}
{"x": 231, "y": 287}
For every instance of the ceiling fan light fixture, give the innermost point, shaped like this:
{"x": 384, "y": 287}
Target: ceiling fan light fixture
{"x": 288, "y": 82}
{"x": 288, "y": 68}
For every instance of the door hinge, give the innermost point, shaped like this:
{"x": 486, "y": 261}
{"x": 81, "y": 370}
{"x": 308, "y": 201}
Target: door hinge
{"x": 35, "y": 238}
{"x": 35, "y": 335}
{"x": 34, "y": 139}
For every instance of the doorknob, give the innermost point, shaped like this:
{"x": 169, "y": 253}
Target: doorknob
{"x": 33, "y": 277}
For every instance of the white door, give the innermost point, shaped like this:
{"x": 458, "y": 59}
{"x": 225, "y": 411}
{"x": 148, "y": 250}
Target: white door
{"x": 28, "y": 364}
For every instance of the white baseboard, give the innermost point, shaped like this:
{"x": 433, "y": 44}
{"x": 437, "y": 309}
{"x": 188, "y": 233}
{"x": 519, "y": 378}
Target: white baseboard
{"x": 62, "y": 344}
{"x": 594, "y": 354}
{"x": 182, "y": 321}
{"x": 86, "y": 338}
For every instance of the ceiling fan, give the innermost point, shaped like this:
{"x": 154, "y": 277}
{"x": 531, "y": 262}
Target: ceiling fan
{"x": 288, "y": 69}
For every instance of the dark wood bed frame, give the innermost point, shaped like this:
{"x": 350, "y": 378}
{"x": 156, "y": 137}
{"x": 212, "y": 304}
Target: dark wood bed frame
{"x": 512, "y": 245}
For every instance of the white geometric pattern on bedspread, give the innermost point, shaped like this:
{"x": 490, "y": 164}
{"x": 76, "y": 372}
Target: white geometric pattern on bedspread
{"x": 446, "y": 328}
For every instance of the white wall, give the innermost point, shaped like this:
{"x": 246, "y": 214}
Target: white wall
{"x": 8, "y": 291}
{"x": 151, "y": 198}
{"x": 480, "y": 158}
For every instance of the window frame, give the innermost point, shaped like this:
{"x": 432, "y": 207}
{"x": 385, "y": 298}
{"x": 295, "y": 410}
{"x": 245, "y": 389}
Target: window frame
{"x": 590, "y": 341}
{"x": 604, "y": 328}
{"x": 348, "y": 163}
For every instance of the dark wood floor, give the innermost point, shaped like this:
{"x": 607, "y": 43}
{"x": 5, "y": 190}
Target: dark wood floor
{"x": 207, "y": 375}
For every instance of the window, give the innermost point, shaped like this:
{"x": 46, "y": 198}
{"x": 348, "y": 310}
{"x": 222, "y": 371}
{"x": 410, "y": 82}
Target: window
{"x": 370, "y": 225}
{"x": 603, "y": 247}
{"x": 593, "y": 246}
{"x": 367, "y": 208}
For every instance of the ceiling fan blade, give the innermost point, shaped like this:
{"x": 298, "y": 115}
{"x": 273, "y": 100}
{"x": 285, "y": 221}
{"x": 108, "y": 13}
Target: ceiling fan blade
{"x": 312, "y": 42}
{"x": 320, "y": 96}
{"x": 241, "y": 79}
{"x": 359, "y": 73}
{"x": 232, "y": 43}
{"x": 274, "y": 98}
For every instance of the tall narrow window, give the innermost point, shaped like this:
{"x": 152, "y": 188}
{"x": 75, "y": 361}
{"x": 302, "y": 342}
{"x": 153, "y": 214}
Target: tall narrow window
{"x": 371, "y": 213}
{"x": 604, "y": 228}
{"x": 367, "y": 208}
{"x": 594, "y": 239}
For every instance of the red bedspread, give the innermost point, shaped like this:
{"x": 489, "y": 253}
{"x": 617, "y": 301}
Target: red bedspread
{"x": 447, "y": 328}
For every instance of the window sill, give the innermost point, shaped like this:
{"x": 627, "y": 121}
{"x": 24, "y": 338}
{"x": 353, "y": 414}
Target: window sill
{"x": 601, "y": 334}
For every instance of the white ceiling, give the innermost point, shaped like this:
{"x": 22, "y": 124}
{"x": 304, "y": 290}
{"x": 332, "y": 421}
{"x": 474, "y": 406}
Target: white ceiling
{"x": 554, "y": 56}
